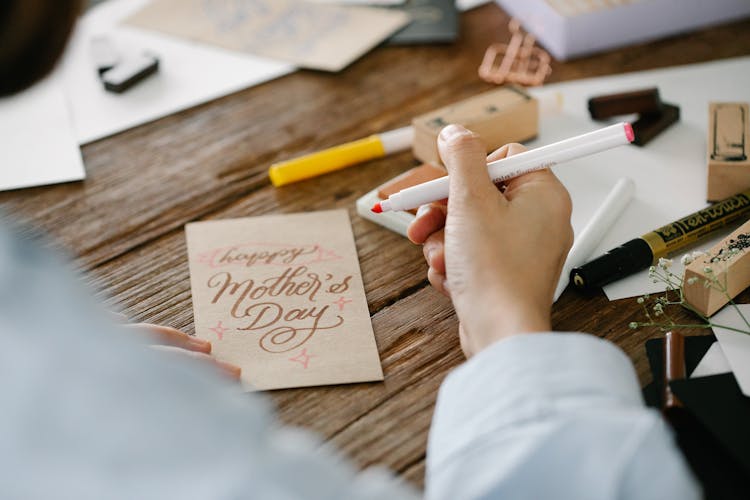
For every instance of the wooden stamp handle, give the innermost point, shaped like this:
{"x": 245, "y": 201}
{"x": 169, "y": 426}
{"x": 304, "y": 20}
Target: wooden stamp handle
{"x": 674, "y": 366}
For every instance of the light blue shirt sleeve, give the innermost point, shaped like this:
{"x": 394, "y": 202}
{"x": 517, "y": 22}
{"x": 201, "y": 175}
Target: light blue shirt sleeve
{"x": 89, "y": 412}
{"x": 551, "y": 415}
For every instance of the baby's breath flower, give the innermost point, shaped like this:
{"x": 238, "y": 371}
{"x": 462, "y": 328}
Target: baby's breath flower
{"x": 660, "y": 273}
{"x": 665, "y": 263}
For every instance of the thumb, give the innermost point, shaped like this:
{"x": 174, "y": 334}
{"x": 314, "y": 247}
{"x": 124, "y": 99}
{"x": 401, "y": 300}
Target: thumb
{"x": 464, "y": 155}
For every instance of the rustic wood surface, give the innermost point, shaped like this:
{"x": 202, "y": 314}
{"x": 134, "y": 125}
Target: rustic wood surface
{"x": 124, "y": 224}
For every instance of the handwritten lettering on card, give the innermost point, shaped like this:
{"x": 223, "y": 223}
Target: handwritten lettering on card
{"x": 282, "y": 297}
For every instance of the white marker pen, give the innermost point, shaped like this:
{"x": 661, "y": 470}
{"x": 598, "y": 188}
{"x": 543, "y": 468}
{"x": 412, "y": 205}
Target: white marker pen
{"x": 513, "y": 166}
{"x": 601, "y": 222}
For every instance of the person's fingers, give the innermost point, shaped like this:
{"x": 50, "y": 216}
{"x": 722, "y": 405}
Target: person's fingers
{"x": 464, "y": 155}
{"x": 430, "y": 218}
{"x": 434, "y": 251}
{"x": 438, "y": 281}
{"x": 232, "y": 371}
{"x": 500, "y": 153}
{"x": 533, "y": 181}
{"x": 172, "y": 337}
{"x": 507, "y": 150}
{"x": 537, "y": 180}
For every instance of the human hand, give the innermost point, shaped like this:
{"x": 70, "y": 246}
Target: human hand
{"x": 172, "y": 340}
{"x": 497, "y": 255}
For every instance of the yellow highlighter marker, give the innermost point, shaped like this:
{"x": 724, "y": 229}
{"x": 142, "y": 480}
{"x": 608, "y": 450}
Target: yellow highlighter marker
{"x": 342, "y": 156}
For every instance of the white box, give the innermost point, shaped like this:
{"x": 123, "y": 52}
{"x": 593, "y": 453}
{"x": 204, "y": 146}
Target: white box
{"x": 573, "y": 28}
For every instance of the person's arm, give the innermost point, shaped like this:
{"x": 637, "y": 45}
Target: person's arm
{"x": 532, "y": 414}
{"x": 90, "y": 411}
{"x": 551, "y": 415}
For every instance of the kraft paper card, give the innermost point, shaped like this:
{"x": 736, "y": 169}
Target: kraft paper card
{"x": 317, "y": 36}
{"x": 282, "y": 297}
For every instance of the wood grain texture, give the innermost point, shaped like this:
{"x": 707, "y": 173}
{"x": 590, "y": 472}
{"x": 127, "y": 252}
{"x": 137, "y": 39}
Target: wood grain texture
{"x": 124, "y": 224}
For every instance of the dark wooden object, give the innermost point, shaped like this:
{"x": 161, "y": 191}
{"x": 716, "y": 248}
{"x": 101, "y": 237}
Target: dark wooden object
{"x": 625, "y": 103}
{"x": 123, "y": 226}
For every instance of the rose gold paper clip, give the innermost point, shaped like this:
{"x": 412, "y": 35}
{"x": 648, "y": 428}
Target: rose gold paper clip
{"x": 520, "y": 62}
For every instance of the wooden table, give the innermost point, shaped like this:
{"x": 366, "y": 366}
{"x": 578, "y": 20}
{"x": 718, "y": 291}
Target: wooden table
{"x": 124, "y": 224}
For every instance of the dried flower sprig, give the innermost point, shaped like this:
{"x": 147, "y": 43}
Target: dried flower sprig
{"x": 656, "y": 308}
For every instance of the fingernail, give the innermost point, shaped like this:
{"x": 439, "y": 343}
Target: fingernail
{"x": 233, "y": 371}
{"x": 199, "y": 344}
{"x": 452, "y": 131}
{"x": 422, "y": 210}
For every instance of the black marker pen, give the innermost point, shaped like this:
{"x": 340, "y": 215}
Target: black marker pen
{"x": 640, "y": 253}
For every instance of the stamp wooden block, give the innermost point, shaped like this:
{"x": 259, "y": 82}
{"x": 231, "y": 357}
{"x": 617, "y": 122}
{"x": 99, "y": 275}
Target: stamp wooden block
{"x": 649, "y": 125}
{"x": 500, "y": 116}
{"x": 729, "y": 262}
{"x": 625, "y": 103}
{"x": 728, "y": 139}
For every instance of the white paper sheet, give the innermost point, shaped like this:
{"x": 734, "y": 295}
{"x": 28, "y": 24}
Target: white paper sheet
{"x": 712, "y": 363}
{"x": 460, "y": 4}
{"x": 669, "y": 172}
{"x": 38, "y": 146}
{"x": 463, "y": 5}
{"x": 360, "y": 2}
{"x": 189, "y": 74}
{"x": 735, "y": 345}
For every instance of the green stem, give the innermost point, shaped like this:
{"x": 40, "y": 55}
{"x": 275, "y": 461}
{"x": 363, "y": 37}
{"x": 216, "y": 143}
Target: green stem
{"x": 736, "y": 308}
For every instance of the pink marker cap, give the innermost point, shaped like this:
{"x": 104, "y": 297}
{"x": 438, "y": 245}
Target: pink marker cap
{"x": 629, "y": 132}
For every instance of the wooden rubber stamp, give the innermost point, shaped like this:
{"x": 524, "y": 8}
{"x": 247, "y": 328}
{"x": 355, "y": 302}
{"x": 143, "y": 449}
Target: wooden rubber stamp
{"x": 674, "y": 366}
{"x": 654, "y": 116}
{"x": 728, "y": 138}
{"x": 649, "y": 125}
{"x": 625, "y": 103}
{"x": 712, "y": 280}
{"x": 499, "y": 117}
{"x": 129, "y": 72}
